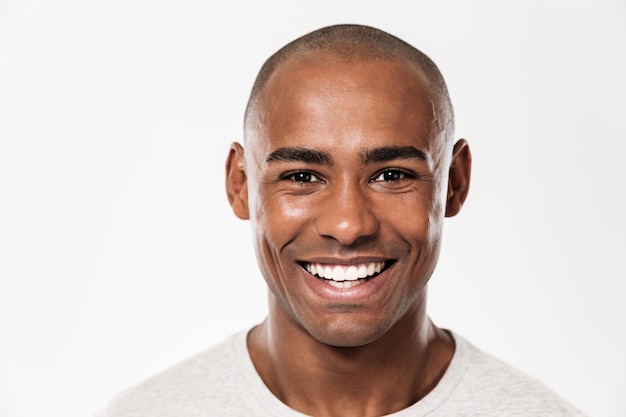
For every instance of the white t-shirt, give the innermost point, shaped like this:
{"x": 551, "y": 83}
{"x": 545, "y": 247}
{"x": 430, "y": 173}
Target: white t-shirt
{"x": 222, "y": 381}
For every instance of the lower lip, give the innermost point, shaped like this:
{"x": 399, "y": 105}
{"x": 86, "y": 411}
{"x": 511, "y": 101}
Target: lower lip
{"x": 353, "y": 294}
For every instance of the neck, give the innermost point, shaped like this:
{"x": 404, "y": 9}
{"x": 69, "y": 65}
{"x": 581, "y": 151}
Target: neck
{"x": 379, "y": 378}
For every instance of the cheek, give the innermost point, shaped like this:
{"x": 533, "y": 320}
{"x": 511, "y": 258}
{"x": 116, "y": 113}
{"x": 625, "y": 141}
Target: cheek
{"x": 421, "y": 212}
{"x": 287, "y": 210}
{"x": 276, "y": 223}
{"x": 418, "y": 220}
{"x": 436, "y": 216}
{"x": 277, "y": 220}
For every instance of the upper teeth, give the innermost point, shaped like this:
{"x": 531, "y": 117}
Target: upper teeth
{"x": 345, "y": 272}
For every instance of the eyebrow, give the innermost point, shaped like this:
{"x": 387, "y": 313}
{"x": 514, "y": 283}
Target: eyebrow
{"x": 390, "y": 153}
{"x": 312, "y": 156}
{"x": 300, "y": 155}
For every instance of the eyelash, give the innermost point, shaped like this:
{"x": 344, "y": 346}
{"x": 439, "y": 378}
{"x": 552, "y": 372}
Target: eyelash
{"x": 296, "y": 177}
{"x": 398, "y": 174}
{"x": 308, "y": 177}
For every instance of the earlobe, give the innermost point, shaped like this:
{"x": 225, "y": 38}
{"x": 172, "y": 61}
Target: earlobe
{"x": 237, "y": 182}
{"x": 459, "y": 177}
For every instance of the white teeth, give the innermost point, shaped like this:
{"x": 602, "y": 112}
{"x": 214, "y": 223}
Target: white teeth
{"x": 343, "y": 284}
{"x": 328, "y": 272}
{"x": 352, "y": 274}
{"x": 339, "y": 274}
{"x": 344, "y": 276}
{"x": 362, "y": 271}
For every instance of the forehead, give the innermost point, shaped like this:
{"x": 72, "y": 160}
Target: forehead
{"x": 326, "y": 96}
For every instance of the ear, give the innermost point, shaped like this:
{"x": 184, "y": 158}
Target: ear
{"x": 458, "y": 177}
{"x": 237, "y": 181}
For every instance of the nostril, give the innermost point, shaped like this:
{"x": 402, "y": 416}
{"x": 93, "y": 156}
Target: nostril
{"x": 347, "y": 224}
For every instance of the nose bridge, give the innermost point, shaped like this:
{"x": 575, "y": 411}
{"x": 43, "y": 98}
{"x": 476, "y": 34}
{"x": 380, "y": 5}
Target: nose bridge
{"x": 347, "y": 214}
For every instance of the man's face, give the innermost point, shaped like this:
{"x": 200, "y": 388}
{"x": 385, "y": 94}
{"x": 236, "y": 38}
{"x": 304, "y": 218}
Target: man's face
{"x": 346, "y": 179}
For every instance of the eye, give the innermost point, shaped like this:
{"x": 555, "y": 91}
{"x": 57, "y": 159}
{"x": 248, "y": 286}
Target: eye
{"x": 391, "y": 175}
{"x": 302, "y": 177}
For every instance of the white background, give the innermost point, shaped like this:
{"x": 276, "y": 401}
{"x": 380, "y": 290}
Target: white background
{"x": 119, "y": 255}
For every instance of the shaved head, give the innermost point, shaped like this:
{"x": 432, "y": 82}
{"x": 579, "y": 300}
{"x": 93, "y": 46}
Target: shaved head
{"x": 349, "y": 166}
{"x": 359, "y": 43}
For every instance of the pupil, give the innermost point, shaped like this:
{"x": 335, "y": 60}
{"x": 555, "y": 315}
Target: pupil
{"x": 303, "y": 177}
{"x": 391, "y": 175}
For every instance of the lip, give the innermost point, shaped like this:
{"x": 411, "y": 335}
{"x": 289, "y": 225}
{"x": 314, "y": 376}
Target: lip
{"x": 344, "y": 261}
{"x": 354, "y": 294}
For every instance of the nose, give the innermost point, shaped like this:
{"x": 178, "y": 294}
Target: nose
{"x": 346, "y": 215}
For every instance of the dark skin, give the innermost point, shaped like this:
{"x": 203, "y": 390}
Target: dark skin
{"x": 346, "y": 169}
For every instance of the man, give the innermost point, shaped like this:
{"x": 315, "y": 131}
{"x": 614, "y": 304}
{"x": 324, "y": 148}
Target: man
{"x": 348, "y": 171}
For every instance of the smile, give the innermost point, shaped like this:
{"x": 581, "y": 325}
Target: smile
{"x": 345, "y": 276}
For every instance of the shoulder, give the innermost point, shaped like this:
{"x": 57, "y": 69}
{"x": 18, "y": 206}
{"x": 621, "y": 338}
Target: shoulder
{"x": 201, "y": 382}
{"x": 491, "y": 387}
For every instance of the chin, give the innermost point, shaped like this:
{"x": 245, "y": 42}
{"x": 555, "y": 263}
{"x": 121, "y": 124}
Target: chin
{"x": 347, "y": 335}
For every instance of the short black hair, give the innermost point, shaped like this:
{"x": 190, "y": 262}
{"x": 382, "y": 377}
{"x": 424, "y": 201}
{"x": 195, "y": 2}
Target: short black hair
{"x": 359, "y": 42}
